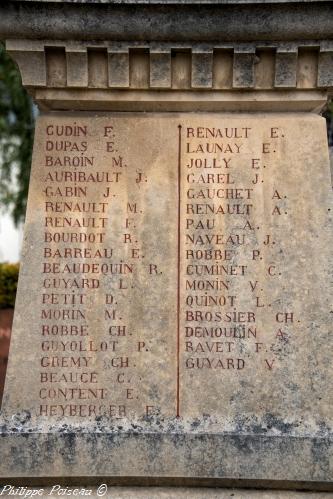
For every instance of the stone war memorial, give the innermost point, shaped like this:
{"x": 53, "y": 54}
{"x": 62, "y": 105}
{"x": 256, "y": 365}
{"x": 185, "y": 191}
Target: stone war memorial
{"x": 173, "y": 323}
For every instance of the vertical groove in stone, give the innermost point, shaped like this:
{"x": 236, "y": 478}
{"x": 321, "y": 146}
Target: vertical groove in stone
{"x": 139, "y": 72}
{"x": 285, "y": 69}
{"x": 222, "y": 68}
{"x": 77, "y": 67}
{"x": 181, "y": 69}
{"x": 118, "y": 64}
{"x": 264, "y": 68}
{"x": 202, "y": 69}
{"x": 97, "y": 68}
{"x": 56, "y": 69}
{"x": 243, "y": 69}
{"x": 160, "y": 69}
{"x": 307, "y": 67}
{"x": 325, "y": 68}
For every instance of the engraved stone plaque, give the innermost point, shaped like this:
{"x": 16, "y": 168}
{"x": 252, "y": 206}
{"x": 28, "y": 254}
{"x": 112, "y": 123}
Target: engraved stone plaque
{"x": 174, "y": 279}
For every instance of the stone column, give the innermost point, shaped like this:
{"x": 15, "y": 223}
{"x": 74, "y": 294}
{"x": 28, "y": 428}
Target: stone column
{"x": 172, "y": 320}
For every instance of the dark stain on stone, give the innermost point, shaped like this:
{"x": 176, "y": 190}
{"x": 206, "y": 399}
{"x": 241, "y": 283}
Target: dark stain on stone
{"x": 69, "y": 451}
{"x": 320, "y": 453}
{"x": 277, "y": 423}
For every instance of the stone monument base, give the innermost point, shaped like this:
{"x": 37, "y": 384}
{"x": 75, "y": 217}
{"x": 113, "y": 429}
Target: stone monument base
{"x": 157, "y": 458}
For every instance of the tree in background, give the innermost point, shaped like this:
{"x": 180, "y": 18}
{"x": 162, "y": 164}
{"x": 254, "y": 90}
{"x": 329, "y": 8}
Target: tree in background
{"x": 16, "y": 138}
{"x": 8, "y": 284}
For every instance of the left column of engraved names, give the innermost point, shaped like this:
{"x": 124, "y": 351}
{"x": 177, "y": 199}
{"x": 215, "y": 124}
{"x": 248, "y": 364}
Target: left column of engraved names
{"x": 76, "y": 255}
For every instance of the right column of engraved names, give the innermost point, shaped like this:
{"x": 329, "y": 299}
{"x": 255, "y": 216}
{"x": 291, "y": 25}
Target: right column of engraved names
{"x": 230, "y": 321}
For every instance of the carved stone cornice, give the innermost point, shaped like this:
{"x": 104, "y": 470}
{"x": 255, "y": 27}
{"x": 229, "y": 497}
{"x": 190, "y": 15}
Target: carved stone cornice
{"x": 108, "y": 75}
{"x": 169, "y": 55}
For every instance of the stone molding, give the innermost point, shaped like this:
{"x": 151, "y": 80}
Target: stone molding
{"x": 55, "y": 64}
{"x": 49, "y": 68}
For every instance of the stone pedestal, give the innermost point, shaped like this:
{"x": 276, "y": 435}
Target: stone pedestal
{"x": 173, "y": 321}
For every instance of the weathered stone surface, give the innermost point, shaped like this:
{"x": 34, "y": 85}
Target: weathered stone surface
{"x": 161, "y": 453}
{"x": 183, "y": 333}
{"x": 190, "y": 20}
